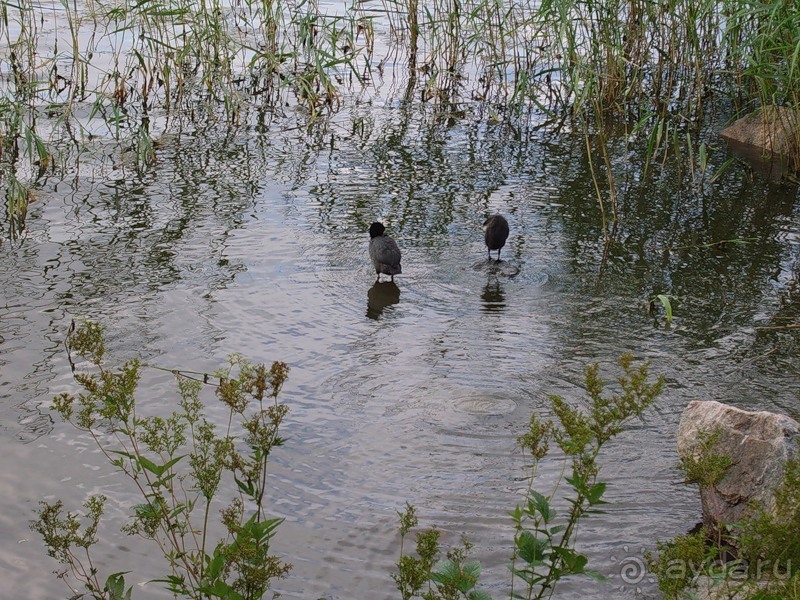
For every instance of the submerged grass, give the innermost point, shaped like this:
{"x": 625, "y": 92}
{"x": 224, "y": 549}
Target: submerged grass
{"x": 657, "y": 68}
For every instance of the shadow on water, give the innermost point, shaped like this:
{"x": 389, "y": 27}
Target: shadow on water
{"x": 380, "y": 296}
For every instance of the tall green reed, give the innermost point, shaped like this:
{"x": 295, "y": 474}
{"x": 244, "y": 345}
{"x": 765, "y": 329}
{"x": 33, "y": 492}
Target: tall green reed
{"x": 653, "y": 68}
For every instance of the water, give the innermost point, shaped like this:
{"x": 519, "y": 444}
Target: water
{"x": 256, "y": 242}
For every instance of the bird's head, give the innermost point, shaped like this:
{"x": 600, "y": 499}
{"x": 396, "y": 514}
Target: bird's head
{"x": 376, "y": 229}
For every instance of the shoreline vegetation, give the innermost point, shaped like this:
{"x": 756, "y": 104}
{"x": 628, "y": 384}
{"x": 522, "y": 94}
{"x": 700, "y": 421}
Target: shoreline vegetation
{"x": 80, "y": 76}
{"x": 183, "y": 467}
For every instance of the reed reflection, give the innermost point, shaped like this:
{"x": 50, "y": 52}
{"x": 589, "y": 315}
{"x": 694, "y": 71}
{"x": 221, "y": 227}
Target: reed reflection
{"x": 493, "y": 298}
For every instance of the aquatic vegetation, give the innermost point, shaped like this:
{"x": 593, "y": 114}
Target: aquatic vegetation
{"x": 178, "y": 465}
{"x": 80, "y": 74}
{"x": 666, "y": 303}
{"x": 755, "y": 558}
{"x": 657, "y": 65}
{"x": 544, "y": 542}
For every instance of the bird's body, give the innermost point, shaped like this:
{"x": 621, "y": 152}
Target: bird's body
{"x": 495, "y": 230}
{"x": 384, "y": 252}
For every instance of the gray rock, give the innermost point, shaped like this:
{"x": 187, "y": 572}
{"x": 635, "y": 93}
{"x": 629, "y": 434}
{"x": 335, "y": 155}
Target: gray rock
{"x": 733, "y": 587}
{"x": 758, "y": 443}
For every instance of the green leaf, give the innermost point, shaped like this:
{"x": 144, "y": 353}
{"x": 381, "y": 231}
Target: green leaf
{"x": 516, "y": 514}
{"x": 595, "y": 493}
{"x": 573, "y": 561}
{"x": 597, "y": 576}
{"x": 261, "y": 531}
{"x": 115, "y": 586}
{"x": 248, "y": 488}
{"x": 664, "y": 299}
{"x": 529, "y": 576}
{"x": 220, "y": 589}
{"x": 149, "y": 465}
{"x": 472, "y": 571}
{"x": 146, "y": 511}
{"x": 214, "y": 565}
{"x": 175, "y": 584}
{"x": 446, "y": 572}
{"x": 173, "y": 462}
{"x": 578, "y": 484}
{"x": 178, "y": 510}
{"x": 532, "y": 550}
{"x": 543, "y": 506}
{"x": 721, "y": 170}
{"x": 125, "y": 454}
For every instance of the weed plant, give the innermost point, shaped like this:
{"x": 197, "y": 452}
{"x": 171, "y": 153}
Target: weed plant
{"x": 179, "y": 465}
{"x": 756, "y": 558}
{"x": 544, "y": 541}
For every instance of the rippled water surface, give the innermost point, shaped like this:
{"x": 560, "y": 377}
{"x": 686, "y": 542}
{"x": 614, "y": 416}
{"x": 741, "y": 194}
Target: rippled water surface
{"x": 256, "y": 242}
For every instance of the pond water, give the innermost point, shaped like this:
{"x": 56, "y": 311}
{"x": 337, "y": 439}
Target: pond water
{"x": 256, "y": 242}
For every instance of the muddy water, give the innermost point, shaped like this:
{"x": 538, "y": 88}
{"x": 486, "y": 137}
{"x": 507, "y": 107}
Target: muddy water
{"x": 257, "y": 243}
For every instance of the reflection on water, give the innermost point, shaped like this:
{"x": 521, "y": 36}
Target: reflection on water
{"x": 381, "y": 295}
{"x": 494, "y": 300}
{"x": 253, "y": 241}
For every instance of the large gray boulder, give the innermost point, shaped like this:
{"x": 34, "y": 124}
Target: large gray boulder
{"x": 758, "y": 443}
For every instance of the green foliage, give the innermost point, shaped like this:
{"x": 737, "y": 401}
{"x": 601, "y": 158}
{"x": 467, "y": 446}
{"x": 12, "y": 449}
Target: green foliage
{"x": 544, "y": 545}
{"x": 771, "y": 536}
{"x": 679, "y": 560}
{"x": 757, "y": 557}
{"x": 177, "y": 464}
{"x": 666, "y": 303}
{"x": 706, "y": 467}
{"x": 423, "y": 576}
{"x": 656, "y": 66}
{"x": 544, "y": 541}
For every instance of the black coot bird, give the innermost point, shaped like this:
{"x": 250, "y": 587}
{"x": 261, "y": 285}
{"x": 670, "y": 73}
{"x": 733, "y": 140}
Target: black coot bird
{"x": 495, "y": 233}
{"x": 384, "y": 252}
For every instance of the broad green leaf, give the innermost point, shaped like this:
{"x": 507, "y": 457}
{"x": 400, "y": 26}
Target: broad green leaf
{"x": 115, "y": 586}
{"x": 248, "y": 488}
{"x": 573, "y": 561}
{"x": 532, "y": 550}
{"x": 149, "y": 465}
{"x": 543, "y": 506}
{"x": 596, "y": 493}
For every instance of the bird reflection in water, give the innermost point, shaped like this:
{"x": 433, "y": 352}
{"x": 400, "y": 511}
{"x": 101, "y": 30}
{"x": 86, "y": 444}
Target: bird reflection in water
{"x": 494, "y": 300}
{"x": 380, "y": 296}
